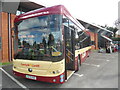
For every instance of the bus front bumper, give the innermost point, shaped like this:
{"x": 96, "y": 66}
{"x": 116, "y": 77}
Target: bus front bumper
{"x": 57, "y": 79}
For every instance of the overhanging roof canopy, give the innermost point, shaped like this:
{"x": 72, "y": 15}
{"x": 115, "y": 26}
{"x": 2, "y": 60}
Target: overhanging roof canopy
{"x": 94, "y": 28}
{"x": 106, "y": 38}
{"x": 103, "y": 32}
{"x": 24, "y": 6}
{"x": 28, "y": 6}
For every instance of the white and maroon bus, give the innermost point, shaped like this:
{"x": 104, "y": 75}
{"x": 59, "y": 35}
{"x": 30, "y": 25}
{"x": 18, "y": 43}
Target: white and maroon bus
{"x": 49, "y": 45}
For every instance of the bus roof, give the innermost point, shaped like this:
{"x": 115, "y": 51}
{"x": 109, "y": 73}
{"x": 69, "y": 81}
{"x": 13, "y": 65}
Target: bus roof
{"x": 58, "y": 9}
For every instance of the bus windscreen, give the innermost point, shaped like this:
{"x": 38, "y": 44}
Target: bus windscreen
{"x": 40, "y": 38}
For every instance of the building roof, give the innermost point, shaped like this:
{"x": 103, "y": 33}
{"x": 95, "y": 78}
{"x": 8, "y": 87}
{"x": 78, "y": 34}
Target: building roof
{"x": 103, "y": 32}
{"x": 24, "y": 6}
{"x": 28, "y": 6}
{"x": 96, "y": 28}
{"x": 107, "y": 38}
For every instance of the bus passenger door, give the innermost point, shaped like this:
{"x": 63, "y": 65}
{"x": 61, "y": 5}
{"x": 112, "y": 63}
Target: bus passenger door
{"x": 69, "y": 51}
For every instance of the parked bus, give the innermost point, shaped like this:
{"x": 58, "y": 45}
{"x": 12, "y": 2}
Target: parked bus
{"x": 49, "y": 45}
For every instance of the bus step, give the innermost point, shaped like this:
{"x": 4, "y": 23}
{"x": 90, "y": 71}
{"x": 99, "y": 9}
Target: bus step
{"x": 69, "y": 74}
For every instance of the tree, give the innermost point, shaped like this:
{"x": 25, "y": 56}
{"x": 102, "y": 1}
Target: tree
{"x": 113, "y": 29}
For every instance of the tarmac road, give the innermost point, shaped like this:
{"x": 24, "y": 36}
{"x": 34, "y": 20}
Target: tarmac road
{"x": 100, "y": 70}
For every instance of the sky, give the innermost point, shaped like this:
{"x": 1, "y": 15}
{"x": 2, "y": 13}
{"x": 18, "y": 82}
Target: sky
{"x": 99, "y": 12}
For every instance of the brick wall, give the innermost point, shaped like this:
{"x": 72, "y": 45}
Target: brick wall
{"x": 5, "y": 50}
{"x": 96, "y": 40}
{"x": 94, "y": 37}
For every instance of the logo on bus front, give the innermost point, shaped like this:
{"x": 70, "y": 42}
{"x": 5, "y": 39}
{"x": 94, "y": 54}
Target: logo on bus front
{"x": 31, "y": 65}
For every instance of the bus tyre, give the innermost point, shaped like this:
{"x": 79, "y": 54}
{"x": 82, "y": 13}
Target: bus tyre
{"x": 88, "y": 54}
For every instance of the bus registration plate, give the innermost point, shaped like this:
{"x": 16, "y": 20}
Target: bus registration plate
{"x": 31, "y": 77}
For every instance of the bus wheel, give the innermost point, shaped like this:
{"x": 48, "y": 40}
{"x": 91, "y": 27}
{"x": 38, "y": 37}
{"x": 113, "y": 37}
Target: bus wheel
{"x": 88, "y": 54}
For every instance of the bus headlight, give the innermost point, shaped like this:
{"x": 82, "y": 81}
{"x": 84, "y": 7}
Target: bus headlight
{"x": 55, "y": 72}
{"x": 58, "y": 71}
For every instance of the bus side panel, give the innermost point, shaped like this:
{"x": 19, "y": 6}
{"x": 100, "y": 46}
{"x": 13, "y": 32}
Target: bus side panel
{"x": 84, "y": 55}
{"x": 81, "y": 54}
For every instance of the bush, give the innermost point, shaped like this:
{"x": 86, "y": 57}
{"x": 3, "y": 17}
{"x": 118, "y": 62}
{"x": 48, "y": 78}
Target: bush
{"x": 115, "y": 39}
